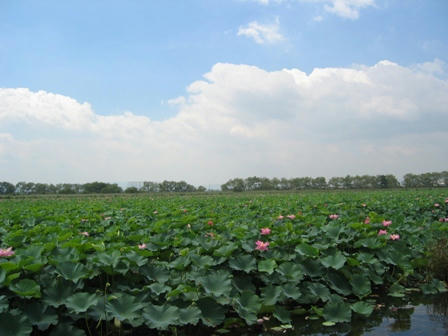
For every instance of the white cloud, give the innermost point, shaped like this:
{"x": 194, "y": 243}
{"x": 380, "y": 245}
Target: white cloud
{"x": 262, "y": 33}
{"x": 345, "y": 8}
{"x": 239, "y": 120}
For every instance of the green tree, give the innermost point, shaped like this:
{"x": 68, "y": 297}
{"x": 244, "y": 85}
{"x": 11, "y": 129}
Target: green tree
{"x": 7, "y": 188}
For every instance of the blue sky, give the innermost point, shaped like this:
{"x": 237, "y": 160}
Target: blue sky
{"x": 140, "y": 59}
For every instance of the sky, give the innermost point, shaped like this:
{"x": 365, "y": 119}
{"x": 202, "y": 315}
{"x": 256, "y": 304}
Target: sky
{"x": 209, "y": 90}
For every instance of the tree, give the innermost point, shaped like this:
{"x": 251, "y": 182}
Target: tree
{"x": 236, "y": 184}
{"x": 149, "y": 186}
{"x": 7, "y": 188}
{"x": 131, "y": 190}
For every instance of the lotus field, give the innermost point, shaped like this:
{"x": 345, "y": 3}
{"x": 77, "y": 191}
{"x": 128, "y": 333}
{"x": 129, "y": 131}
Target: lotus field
{"x": 218, "y": 263}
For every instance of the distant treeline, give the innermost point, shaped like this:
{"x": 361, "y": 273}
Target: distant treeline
{"x": 30, "y": 188}
{"x": 426, "y": 180}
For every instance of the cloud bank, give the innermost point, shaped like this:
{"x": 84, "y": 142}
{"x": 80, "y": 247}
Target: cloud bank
{"x": 239, "y": 120}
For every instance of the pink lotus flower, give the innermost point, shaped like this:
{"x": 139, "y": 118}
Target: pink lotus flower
{"x": 364, "y": 205}
{"x": 155, "y": 212}
{"x": 436, "y": 205}
{"x": 210, "y": 234}
{"x": 394, "y": 236}
{"x": 446, "y": 200}
{"x": 261, "y": 246}
{"x": 334, "y": 216}
{"x": 387, "y": 223}
{"x": 382, "y": 232}
{"x": 142, "y": 246}
{"x": 291, "y": 216}
{"x": 6, "y": 252}
{"x": 184, "y": 210}
{"x": 442, "y": 220}
{"x": 210, "y": 223}
{"x": 367, "y": 220}
{"x": 265, "y": 231}
{"x": 280, "y": 217}
{"x": 85, "y": 233}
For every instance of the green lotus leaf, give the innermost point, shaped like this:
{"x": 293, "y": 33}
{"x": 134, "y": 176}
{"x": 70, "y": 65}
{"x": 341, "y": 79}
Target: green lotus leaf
{"x": 122, "y": 267}
{"x": 26, "y": 288}
{"x": 160, "y": 317}
{"x": 361, "y": 285}
{"x": 282, "y": 314}
{"x": 292, "y": 291}
{"x": 313, "y": 268}
{"x": 189, "y": 315}
{"x": 212, "y": 313}
{"x": 64, "y": 329}
{"x": 2, "y": 276}
{"x": 14, "y": 325}
{"x": 396, "y": 290}
{"x": 40, "y": 315}
{"x": 4, "y": 305}
{"x": 336, "y": 260}
{"x": 245, "y": 263}
{"x": 64, "y": 254}
{"x": 136, "y": 259}
{"x": 328, "y": 323}
{"x": 81, "y": 302}
{"x": 34, "y": 251}
{"x": 318, "y": 290}
{"x": 34, "y": 267}
{"x": 72, "y": 271}
{"x": 204, "y": 261}
{"x": 249, "y": 301}
{"x": 333, "y": 231}
{"x": 336, "y": 310}
{"x": 372, "y": 243}
{"x": 124, "y": 307}
{"x": 267, "y": 266}
{"x": 243, "y": 283}
{"x": 156, "y": 272}
{"x": 226, "y": 250}
{"x": 362, "y": 308}
{"x": 159, "y": 288}
{"x": 217, "y": 284}
{"x": 57, "y": 291}
{"x": 271, "y": 295}
{"x": 307, "y": 250}
{"x": 180, "y": 263}
{"x": 291, "y": 271}
{"x": 9, "y": 266}
{"x": 110, "y": 259}
{"x": 339, "y": 283}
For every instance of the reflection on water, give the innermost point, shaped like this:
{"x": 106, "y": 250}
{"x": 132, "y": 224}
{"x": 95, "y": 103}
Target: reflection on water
{"x": 419, "y": 315}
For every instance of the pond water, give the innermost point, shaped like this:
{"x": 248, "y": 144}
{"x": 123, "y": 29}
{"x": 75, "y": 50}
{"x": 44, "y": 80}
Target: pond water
{"x": 419, "y": 315}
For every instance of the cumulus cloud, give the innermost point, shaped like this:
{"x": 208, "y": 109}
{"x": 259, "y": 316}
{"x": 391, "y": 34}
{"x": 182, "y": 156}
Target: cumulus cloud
{"x": 262, "y": 33}
{"x": 239, "y": 120}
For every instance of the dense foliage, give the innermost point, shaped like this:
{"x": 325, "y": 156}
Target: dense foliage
{"x": 185, "y": 264}
{"x": 426, "y": 180}
{"x": 254, "y": 183}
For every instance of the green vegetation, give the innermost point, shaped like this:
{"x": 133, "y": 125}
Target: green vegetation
{"x": 254, "y": 183}
{"x": 207, "y": 263}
